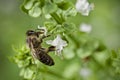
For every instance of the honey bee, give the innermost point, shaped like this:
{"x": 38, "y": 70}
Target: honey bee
{"x": 34, "y": 41}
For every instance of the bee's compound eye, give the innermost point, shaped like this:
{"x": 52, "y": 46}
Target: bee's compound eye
{"x": 30, "y": 32}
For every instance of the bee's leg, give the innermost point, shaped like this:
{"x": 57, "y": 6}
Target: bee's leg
{"x": 41, "y": 39}
{"x": 36, "y": 65}
{"x": 51, "y": 48}
{"x": 45, "y": 36}
{"x": 38, "y": 33}
{"x": 33, "y": 57}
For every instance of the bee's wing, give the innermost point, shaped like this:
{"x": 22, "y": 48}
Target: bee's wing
{"x": 28, "y": 41}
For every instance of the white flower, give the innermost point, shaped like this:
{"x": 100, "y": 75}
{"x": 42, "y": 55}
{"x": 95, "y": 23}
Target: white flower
{"x": 85, "y": 72}
{"x": 84, "y": 7}
{"x": 58, "y": 43}
{"x": 85, "y": 28}
{"x": 43, "y": 28}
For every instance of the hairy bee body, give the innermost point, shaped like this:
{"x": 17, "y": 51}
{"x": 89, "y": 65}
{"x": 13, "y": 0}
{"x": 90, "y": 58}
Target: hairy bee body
{"x": 34, "y": 43}
{"x": 44, "y": 57}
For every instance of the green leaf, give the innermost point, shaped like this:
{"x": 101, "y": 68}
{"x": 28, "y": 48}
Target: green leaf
{"x": 24, "y": 10}
{"x": 59, "y": 29}
{"x": 101, "y": 47}
{"x": 49, "y": 8}
{"x": 57, "y": 17}
{"x": 22, "y": 72}
{"x": 70, "y": 12}
{"x": 71, "y": 70}
{"x": 101, "y": 57}
{"x": 87, "y": 48}
{"x": 113, "y": 54}
{"x": 58, "y": 1}
{"x": 28, "y": 74}
{"x": 28, "y": 4}
{"x": 48, "y": 16}
{"x": 64, "y": 5}
{"x": 35, "y": 11}
{"x": 69, "y": 27}
{"x": 42, "y": 3}
{"x": 20, "y": 63}
{"x": 50, "y": 25}
{"x": 83, "y": 53}
{"x": 68, "y": 52}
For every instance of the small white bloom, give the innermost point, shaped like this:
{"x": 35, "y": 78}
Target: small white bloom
{"x": 84, "y": 7}
{"x": 43, "y": 28}
{"x": 85, "y": 72}
{"x": 85, "y": 28}
{"x": 58, "y": 43}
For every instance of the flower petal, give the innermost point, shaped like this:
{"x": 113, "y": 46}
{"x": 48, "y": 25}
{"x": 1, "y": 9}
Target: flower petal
{"x": 84, "y": 7}
{"x": 58, "y": 43}
{"x": 85, "y": 28}
{"x": 49, "y": 42}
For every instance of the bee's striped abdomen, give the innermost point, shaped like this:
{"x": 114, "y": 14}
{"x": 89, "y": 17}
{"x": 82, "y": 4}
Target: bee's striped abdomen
{"x": 44, "y": 57}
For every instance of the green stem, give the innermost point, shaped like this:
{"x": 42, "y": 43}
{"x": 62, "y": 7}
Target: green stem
{"x": 57, "y": 18}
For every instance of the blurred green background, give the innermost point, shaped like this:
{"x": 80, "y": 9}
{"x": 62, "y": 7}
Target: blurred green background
{"x": 105, "y": 20}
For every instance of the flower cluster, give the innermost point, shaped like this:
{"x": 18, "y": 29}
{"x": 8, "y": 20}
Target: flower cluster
{"x": 85, "y": 28}
{"x": 58, "y": 43}
{"x": 84, "y": 7}
{"x": 85, "y": 72}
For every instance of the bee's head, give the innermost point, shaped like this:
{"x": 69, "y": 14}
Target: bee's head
{"x": 30, "y": 32}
